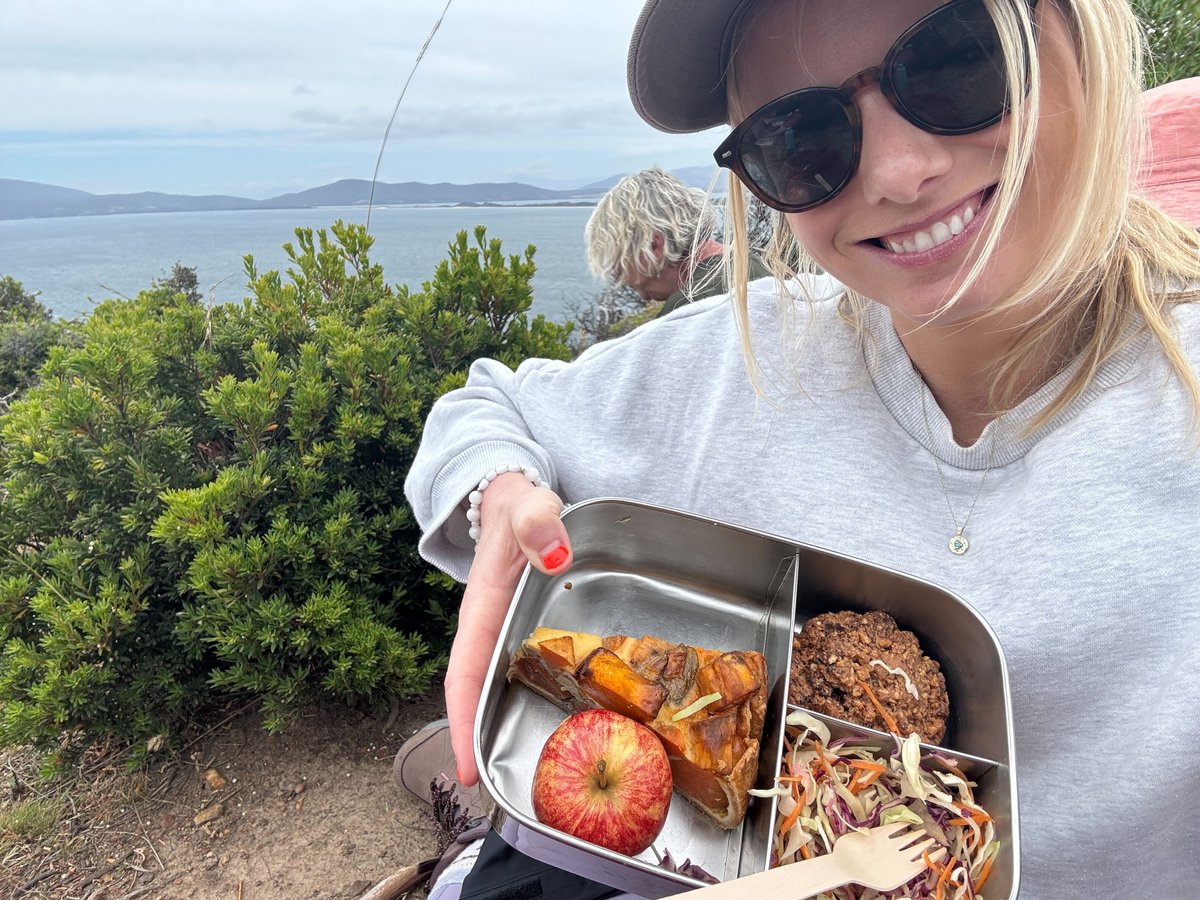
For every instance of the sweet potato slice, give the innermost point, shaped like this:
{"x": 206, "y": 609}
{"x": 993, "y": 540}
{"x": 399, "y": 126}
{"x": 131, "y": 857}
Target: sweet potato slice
{"x": 732, "y": 676}
{"x": 609, "y": 682}
{"x": 559, "y": 652}
{"x": 583, "y": 642}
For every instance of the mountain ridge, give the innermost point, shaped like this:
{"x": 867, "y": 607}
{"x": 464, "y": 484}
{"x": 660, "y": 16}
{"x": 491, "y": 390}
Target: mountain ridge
{"x": 36, "y": 200}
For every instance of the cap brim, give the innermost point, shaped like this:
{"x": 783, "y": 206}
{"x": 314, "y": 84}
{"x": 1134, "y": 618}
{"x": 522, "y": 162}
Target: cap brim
{"x": 676, "y": 63}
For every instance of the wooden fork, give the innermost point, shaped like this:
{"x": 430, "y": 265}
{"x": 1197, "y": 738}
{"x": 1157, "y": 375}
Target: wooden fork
{"x": 882, "y": 858}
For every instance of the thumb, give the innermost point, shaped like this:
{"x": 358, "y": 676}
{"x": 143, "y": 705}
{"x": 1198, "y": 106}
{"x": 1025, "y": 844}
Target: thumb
{"x": 541, "y": 534}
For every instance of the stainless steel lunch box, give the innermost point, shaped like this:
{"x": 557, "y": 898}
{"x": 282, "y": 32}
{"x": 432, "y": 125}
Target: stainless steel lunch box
{"x": 644, "y": 569}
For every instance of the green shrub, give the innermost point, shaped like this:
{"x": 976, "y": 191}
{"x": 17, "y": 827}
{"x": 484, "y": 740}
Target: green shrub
{"x": 18, "y": 305}
{"x": 28, "y": 332}
{"x": 1171, "y": 28}
{"x": 209, "y": 502}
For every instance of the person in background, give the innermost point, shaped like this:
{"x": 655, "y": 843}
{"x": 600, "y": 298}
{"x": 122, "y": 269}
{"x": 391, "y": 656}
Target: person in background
{"x": 654, "y": 234}
{"x": 1170, "y": 171}
{"x": 993, "y": 385}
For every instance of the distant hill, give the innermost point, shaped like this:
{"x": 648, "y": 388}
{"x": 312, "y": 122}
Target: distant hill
{"x": 355, "y": 192}
{"x": 692, "y": 176}
{"x": 31, "y": 200}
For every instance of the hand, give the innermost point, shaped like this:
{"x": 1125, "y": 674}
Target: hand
{"x": 518, "y": 524}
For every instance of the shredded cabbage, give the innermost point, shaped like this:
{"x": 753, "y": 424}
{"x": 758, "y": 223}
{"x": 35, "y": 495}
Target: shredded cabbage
{"x": 827, "y": 789}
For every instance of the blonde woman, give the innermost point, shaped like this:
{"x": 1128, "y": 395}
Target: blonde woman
{"x": 994, "y": 387}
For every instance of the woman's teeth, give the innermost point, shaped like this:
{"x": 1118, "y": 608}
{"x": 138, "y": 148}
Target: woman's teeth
{"x": 938, "y": 233}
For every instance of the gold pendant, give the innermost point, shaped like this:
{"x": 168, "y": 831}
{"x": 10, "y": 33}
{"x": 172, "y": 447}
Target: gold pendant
{"x": 958, "y": 544}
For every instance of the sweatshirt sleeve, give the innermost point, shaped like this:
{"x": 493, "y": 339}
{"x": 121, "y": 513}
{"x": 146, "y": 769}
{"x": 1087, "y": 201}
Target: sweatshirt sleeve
{"x": 469, "y": 431}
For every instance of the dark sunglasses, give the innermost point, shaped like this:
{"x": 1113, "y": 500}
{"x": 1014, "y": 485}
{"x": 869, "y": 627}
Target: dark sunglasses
{"x": 945, "y": 74}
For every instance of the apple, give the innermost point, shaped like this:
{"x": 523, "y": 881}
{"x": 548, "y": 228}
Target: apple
{"x": 603, "y": 778}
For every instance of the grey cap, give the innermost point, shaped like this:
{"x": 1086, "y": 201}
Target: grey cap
{"x": 677, "y": 60}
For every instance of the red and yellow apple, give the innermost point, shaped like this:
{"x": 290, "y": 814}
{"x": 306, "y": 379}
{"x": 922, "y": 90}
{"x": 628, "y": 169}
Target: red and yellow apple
{"x": 603, "y": 778}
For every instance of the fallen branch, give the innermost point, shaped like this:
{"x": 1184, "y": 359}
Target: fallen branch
{"x": 395, "y": 885}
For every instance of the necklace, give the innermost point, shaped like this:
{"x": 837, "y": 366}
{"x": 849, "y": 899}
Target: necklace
{"x": 958, "y": 543}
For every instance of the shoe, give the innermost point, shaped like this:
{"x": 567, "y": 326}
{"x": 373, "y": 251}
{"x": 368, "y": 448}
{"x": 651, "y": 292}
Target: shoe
{"x": 421, "y": 769}
{"x": 425, "y": 768}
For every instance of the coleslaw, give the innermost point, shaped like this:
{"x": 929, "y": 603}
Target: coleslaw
{"x": 827, "y": 788}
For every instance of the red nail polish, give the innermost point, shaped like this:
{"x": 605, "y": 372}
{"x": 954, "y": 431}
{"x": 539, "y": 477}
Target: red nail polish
{"x": 554, "y": 557}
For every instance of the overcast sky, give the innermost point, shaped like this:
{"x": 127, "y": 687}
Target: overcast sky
{"x": 260, "y": 97}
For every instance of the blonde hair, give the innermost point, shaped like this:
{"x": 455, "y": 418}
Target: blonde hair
{"x": 620, "y": 232}
{"x": 1118, "y": 264}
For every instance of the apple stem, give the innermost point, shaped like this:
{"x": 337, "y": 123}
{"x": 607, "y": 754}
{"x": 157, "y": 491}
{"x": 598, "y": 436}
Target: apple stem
{"x": 600, "y": 767}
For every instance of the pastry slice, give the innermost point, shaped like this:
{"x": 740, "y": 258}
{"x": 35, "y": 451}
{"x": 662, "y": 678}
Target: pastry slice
{"x": 706, "y": 706}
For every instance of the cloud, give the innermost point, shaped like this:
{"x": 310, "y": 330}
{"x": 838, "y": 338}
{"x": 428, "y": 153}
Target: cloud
{"x": 500, "y": 83}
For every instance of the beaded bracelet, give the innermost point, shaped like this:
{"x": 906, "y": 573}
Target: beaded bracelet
{"x": 476, "y": 496}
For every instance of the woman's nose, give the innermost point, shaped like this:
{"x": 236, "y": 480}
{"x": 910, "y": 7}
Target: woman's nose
{"x": 898, "y": 161}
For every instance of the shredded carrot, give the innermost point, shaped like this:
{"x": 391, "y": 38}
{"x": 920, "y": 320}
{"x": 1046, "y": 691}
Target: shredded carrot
{"x": 937, "y": 867}
{"x": 943, "y": 879}
{"x": 984, "y": 873}
{"x": 978, "y": 816}
{"x": 974, "y": 838}
{"x": 869, "y": 779}
{"x": 954, "y": 770}
{"x": 805, "y": 852}
{"x": 864, "y": 776}
{"x": 888, "y": 718}
{"x": 820, "y": 758}
{"x": 794, "y": 816}
{"x": 792, "y": 819}
{"x": 869, "y": 770}
{"x": 868, "y": 764}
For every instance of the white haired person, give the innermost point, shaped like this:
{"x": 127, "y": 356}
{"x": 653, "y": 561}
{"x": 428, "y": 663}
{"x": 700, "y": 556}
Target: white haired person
{"x": 992, "y": 386}
{"x": 654, "y": 234}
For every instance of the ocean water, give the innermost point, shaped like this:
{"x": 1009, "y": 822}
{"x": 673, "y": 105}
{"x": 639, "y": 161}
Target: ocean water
{"x": 76, "y": 262}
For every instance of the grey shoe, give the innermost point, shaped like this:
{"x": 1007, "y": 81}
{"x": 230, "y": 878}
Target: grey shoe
{"x": 424, "y": 768}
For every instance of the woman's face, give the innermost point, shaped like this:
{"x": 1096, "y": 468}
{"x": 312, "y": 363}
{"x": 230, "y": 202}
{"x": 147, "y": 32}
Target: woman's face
{"x": 890, "y": 233}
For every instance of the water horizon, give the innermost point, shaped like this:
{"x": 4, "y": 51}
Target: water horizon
{"x": 72, "y": 263}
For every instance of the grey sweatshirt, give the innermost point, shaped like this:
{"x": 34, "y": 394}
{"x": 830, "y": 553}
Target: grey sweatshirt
{"x": 1083, "y": 554}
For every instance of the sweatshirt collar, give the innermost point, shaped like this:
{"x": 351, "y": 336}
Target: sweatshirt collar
{"x": 901, "y": 388}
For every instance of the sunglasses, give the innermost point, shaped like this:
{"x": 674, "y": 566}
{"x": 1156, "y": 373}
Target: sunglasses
{"x": 946, "y": 75}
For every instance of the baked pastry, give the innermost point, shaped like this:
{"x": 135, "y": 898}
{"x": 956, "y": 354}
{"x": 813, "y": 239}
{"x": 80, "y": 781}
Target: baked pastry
{"x": 706, "y": 706}
{"x": 840, "y": 659}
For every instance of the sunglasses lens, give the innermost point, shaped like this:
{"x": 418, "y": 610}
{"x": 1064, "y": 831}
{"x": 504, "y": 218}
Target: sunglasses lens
{"x": 950, "y": 74}
{"x": 946, "y": 75}
{"x": 799, "y": 150}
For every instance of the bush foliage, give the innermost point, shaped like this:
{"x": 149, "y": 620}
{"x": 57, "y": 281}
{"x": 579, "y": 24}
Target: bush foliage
{"x": 1171, "y": 29}
{"x": 28, "y": 331}
{"x": 201, "y": 502}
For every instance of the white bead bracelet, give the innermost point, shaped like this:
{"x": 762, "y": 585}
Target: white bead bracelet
{"x": 476, "y": 496}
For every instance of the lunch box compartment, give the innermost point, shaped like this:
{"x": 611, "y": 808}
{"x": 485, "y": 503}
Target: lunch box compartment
{"x": 992, "y": 791}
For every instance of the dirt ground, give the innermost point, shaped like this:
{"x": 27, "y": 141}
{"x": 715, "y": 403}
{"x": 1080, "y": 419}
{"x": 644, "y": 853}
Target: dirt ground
{"x": 238, "y": 815}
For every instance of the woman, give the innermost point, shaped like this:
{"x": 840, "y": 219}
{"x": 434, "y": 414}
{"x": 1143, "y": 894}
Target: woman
{"x": 993, "y": 388}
